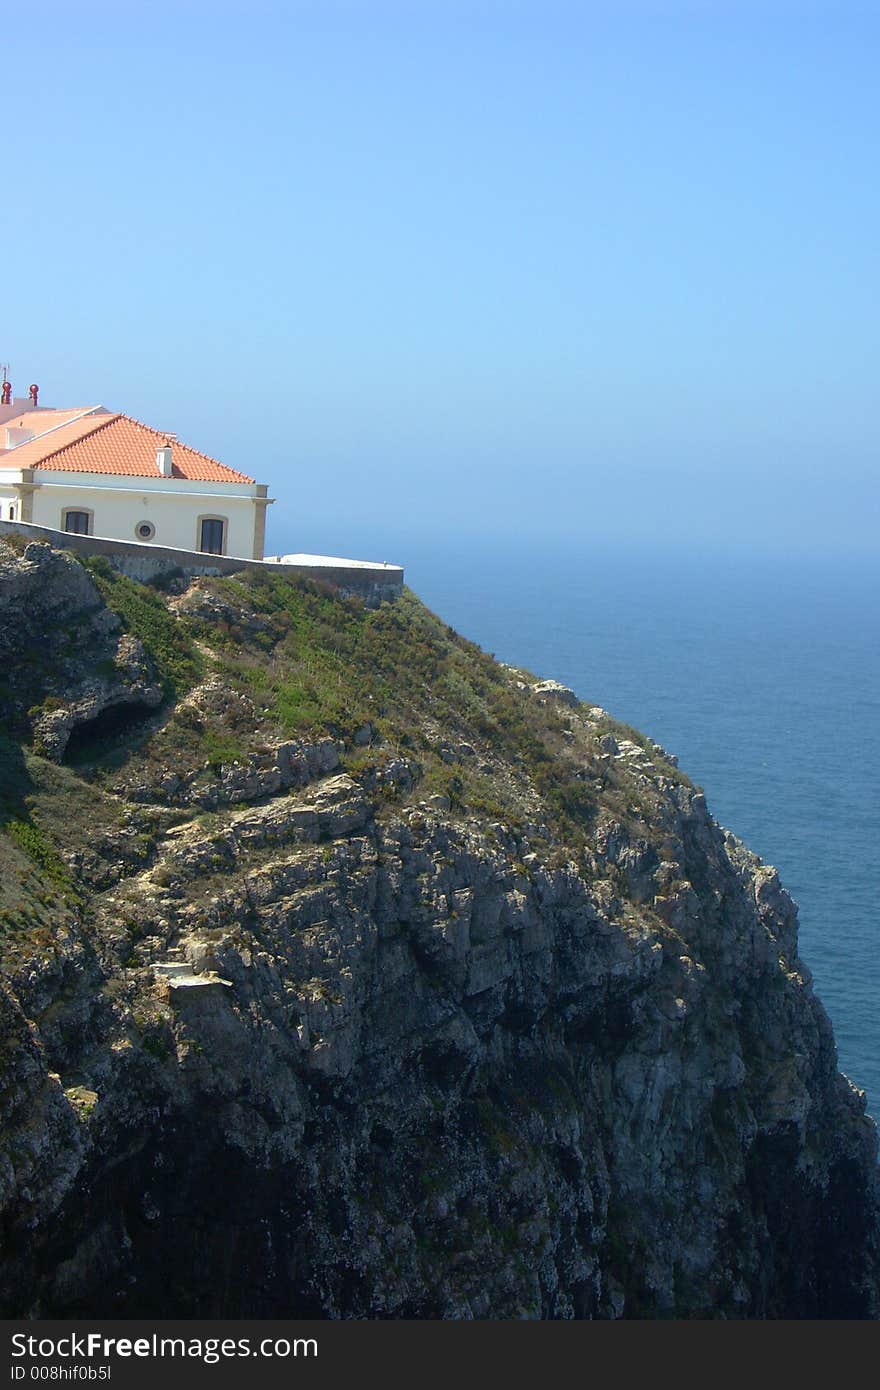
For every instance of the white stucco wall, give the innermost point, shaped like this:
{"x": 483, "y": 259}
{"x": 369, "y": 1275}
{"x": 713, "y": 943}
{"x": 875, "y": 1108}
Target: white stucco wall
{"x": 7, "y": 500}
{"x": 174, "y": 512}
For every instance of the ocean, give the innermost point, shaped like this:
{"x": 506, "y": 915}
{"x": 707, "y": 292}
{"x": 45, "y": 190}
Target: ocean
{"x": 761, "y": 673}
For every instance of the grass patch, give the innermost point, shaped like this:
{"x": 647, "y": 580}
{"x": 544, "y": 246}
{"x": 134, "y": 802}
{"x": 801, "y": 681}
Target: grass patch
{"x": 144, "y": 614}
{"x": 333, "y": 664}
{"x": 34, "y": 842}
{"x": 218, "y": 749}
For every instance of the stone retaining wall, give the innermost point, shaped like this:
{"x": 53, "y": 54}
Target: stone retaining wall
{"x": 144, "y": 562}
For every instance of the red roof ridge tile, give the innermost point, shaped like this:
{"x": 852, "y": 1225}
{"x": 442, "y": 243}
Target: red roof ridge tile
{"x": 168, "y": 436}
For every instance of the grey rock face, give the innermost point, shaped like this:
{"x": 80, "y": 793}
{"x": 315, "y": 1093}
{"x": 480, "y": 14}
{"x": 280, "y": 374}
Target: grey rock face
{"x": 319, "y": 1045}
{"x": 52, "y": 616}
{"x": 132, "y": 684}
{"x": 283, "y": 767}
{"x": 424, "y": 1078}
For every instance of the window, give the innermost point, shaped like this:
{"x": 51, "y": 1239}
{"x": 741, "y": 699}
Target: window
{"x": 145, "y": 530}
{"x": 12, "y": 511}
{"x": 78, "y": 522}
{"x": 212, "y": 534}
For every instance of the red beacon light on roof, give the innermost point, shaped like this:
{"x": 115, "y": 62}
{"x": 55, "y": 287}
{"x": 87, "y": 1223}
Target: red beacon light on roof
{"x": 6, "y": 393}
{"x": 33, "y": 392}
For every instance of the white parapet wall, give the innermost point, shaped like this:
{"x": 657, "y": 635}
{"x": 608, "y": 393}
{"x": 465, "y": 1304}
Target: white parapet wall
{"x": 328, "y": 562}
{"x": 373, "y": 581}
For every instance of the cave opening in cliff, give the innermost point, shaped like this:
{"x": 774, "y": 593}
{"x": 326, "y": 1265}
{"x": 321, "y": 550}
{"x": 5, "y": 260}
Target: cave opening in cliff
{"x": 108, "y": 735}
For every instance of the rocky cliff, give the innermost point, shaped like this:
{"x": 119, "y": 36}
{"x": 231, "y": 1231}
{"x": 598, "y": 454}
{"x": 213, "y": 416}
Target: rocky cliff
{"x": 349, "y": 973}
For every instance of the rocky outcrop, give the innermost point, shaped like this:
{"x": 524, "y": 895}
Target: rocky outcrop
{"x": 58, "y": 639}
{"x": 129, "y": 684}
{"x": 331, "y": 1046}
{"x": 277, "y": 768}
{"x": 553, "y": 690}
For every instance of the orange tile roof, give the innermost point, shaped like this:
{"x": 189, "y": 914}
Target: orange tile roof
{"x": 116, "y": 444}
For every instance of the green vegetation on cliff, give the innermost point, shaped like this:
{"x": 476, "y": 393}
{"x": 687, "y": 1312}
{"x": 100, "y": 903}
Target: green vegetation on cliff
{"x": 248, "y": 662}
{"x": 300, "y": 661}
{"x": 143, "y": 612}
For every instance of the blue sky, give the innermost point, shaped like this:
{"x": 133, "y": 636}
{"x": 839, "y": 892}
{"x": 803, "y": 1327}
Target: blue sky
{"x": 579, "y": 273}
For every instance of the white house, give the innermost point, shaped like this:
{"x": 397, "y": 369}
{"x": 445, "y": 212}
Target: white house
{"x": 96, "y": 472}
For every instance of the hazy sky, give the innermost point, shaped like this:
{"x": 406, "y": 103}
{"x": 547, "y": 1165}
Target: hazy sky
{"x": 596, "y": 271}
